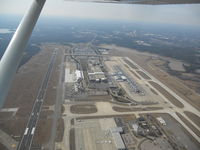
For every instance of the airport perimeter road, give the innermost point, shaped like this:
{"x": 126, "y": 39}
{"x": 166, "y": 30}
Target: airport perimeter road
{"x": 26, "y": 140}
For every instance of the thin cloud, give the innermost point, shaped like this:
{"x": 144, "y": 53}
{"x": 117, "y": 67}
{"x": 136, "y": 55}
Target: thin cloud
{"x": 175, "y": 14}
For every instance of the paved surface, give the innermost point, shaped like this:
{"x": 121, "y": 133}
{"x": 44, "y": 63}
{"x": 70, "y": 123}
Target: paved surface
{"x": 26, "y": 141}
{"x": 58, "y": 104}
{"x": 7, "y": 141}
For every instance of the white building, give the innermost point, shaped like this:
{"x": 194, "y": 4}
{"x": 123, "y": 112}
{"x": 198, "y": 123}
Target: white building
{"x": 161, "y": 120}
{"x": 79, "y": 75}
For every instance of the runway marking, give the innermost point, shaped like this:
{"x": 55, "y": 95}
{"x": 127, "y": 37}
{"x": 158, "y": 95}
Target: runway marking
{"x": 26, "y": 131}
{"x": 33, "y": 131}
{"x": 27, "y": 138}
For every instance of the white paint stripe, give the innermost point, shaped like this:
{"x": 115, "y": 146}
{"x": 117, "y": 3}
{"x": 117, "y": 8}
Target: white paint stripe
{"x": 33, "y": 130}
{"x": 26, "y": 131}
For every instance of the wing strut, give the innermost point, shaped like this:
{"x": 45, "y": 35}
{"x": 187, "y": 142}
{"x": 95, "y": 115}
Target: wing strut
{"x": 14, "y": 52}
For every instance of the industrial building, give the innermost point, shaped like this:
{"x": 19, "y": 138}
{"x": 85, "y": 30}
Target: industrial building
{"x": 73, "y": 76}
{"x": 161, "y": 120}
{"x": 119, "y": 143}
{"x": 69, "y": 77}
{"x": 95, "y": 74}
{"x": 79, "y": 75}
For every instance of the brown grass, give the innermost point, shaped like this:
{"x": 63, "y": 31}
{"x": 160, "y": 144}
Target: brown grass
{"x": 193, "y": 117}
{"x": 72, "y": 121}
{"x": 144, "y": 75}
{"x": 171, "y": 98}
{"x": 83, "y": 109}
{"x": 135, "y": 74}
{"x": 5, "y": 115}
{"x": 24, "y": 111}
{"x": 2, "y": 147}
{"x": 60, "y": 130}
{"x": 46, "y": 113}
{"x": 128, "y": 118}
{"x": 72, "y": 139}
{"x": 130, "y": 63}
{"x": 62, "y": 109}
{"x": 124, "y": 109}
{"x": 95, "y": 98}
{"x": 153, "y": 91}
{"x": 14, "y": 126}
{"x": 193, "y": 128}
{"x": 43, "y": 132}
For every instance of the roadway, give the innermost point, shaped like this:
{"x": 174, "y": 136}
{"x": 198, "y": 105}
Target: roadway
{"x": 27, "y": 138}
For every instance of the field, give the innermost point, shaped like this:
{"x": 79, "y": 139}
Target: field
{"x": 154, "y": 65}
{"x": 83, "y": 109}
{"x": 144, "y": 75}
{"x": 124, "y": 109}
{"x": 193, "y": 128}
{"x": 171, "y": 98}
{"x": 177, "y": 132}
{"x": 193, "y": 117}
{"x": 24, "y": 91}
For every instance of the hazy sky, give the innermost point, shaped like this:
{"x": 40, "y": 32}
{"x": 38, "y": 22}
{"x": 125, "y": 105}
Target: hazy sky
{"x": 176, "y": 14}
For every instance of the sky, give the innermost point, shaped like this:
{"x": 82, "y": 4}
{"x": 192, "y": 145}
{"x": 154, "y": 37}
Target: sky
{"x": 174, "y": 14}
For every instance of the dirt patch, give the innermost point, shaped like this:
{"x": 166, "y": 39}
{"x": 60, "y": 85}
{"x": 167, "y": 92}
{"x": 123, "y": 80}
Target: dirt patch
{"x": 171, "y": 98}
{"x": 193, "y": 128}
{"x": 60, "y": 130}
{"x": 153, "y": 91}
{"x": 125, "y": 109}
{"x": 135, "y": 74}
{"x": 83, "y": 109}
{"x": 130, "y": 63}
{"x": 144, "y": 75}
{"x": 72, "y": 139}
{"x": 193, "y": 117}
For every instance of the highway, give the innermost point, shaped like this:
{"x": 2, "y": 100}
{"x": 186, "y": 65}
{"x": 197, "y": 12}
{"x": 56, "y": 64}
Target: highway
{"x": 27, "y": 137}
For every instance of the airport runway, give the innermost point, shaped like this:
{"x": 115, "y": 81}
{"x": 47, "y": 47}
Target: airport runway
{"x": 26, "y": 140}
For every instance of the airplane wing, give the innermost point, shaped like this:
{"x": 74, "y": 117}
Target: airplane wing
{"x": 150, "y": 2}
{"x": 14, "y": 52}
